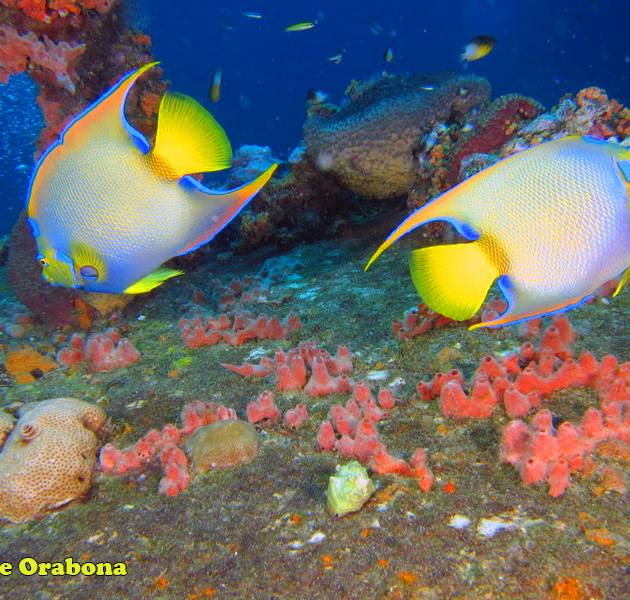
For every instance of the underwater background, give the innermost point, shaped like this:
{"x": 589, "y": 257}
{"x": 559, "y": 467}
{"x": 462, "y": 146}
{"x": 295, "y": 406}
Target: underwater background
{"x": 261, "y": 417}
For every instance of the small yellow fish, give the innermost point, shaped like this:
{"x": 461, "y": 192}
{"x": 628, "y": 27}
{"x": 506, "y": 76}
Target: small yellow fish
{"x": 301, "y": 26}
{"x": 107, "y": 209}
{"x": 388, "y": 55}
{"x": 478, "y": 47}
{"x": 215, "y": 86}
{"x": 551, "y": 224}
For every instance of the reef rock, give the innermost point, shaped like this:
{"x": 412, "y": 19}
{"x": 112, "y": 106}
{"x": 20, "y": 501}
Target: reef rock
{"x": 249, "y": 162}
{"x": 370, "y": 143}
{"x": 48, "y": 459}
{"x": 222, "y": 444}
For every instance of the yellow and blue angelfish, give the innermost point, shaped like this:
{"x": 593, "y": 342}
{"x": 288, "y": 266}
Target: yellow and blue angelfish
{"x": 107, "y": 210}
{"x": 551, "y": 224}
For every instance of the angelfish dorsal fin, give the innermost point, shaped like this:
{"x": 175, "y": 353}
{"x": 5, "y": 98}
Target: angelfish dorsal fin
{"x": 106, "y": 117}
{"x": 188, "y": 139}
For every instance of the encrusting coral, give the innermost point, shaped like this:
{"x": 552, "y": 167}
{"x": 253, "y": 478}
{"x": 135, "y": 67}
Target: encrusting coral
{"x": 48, "y": 459}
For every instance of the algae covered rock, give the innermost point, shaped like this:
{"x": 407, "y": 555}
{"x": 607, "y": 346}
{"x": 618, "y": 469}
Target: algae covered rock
{"x": 222, "y": 444}
{"x": 349, "y": 489}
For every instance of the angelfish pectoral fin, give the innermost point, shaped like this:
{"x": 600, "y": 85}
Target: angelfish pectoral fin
{"x": 152, "y": 280}
{"x": 622, "y": 282}
{"x": 453, "y": 280}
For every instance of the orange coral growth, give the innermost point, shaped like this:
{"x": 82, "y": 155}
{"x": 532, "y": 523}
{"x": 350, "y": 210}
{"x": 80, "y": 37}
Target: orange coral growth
{"x": 327, "y": 561}
{"x": 149, "y": 103}
{"x": 407, "y": 577}
{"x": 569, "y": 588}
{"x": 613, "y": 448}
{"x": 46, "y": 11}
{"x": 613, "y": 480}
{"x": 450, "y": 488}
{"x": 141, "y": 38}
{"x": 56, "y": 60}
{"x": 590, "y": 93}
{"x": 23, "y": 362}
{"x": 84, "y": 314}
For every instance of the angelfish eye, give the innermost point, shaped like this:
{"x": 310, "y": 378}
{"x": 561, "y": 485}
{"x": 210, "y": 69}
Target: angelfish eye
{"x": 43, "y": 261}
{"x": 88, "y": 272}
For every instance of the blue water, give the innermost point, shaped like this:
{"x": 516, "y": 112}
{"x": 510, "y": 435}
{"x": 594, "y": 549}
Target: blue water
{"x": 544, "y": 49}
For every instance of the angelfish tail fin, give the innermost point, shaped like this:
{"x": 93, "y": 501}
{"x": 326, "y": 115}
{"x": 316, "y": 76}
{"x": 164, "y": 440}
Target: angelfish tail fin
{"x": 453, "y": 280}
{"x": 442, "y": 208}
{"x": 217, "y": 209}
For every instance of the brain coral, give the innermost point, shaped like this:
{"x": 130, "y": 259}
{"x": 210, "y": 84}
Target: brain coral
{"x": 48, "y": 459}
{"x": 369, "y": 143}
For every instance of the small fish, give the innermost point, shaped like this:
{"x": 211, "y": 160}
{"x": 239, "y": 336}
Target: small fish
{"x": 427, "y": 88}
{"x": 478, "y": 47}
{"x": 107, "y": 209}
{"x": 22, "y": 168}
{"x": 376, "y": 29}
{"x": 468, "y": 127}
{"x": 250, "y": 14}
{"x": 301, "y": 26}
{"x": 388, "y": 55}
{"x": 316, "y": 97}
{"x": 215, "y": 86}
{"x": 551, "y": 224}
{"x": 336, "y": 58}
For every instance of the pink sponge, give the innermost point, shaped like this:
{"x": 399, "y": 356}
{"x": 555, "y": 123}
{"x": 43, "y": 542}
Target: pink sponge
{"x": 102, "y": 352}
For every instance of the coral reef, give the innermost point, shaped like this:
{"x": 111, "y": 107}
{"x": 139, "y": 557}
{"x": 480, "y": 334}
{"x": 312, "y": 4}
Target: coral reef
{"x": 47, "y": 460}
{"x": 297, "y": 205}
{"x": 101, "y": 352}
{"x": 492, "y": 128}
{"x": 369, "y": 144}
